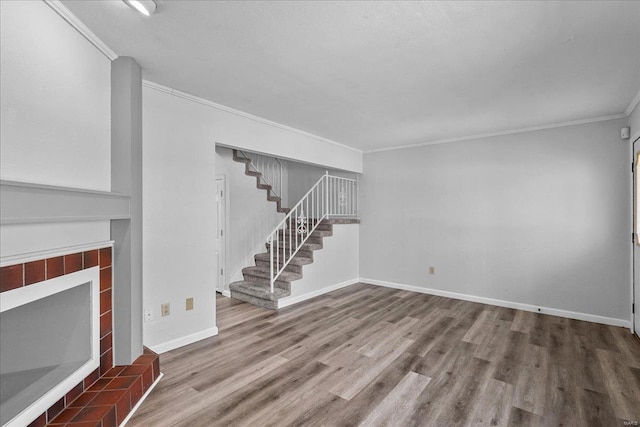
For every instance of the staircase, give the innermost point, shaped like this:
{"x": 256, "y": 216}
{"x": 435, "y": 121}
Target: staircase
{"x": 256, "y": 286}
{"x": 268, "y": 173}
{"x": 332, "y": 200}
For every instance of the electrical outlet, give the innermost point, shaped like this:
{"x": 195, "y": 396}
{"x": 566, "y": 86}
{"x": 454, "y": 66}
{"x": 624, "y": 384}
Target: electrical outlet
{"x": 148, "y": 315}
{"x": 164, "y": 309}
{"x": 189, "y": 303}
{"x": 432, "y": 270}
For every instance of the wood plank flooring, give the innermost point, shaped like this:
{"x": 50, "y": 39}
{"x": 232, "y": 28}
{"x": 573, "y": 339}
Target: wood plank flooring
{"x": 373, "y": 356}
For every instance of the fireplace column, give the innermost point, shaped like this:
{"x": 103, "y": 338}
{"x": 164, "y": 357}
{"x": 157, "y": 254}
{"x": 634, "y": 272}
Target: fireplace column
{"x": 126, "y": 178}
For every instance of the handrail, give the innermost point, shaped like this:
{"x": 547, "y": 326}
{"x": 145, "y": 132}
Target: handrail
{"x": 329, "y": 196}
{"x": 270, "y": 168}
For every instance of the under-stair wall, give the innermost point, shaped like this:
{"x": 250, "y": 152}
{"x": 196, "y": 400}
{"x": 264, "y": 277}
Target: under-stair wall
{"x": 334, "y": 266}
{"x": 250, "y": 217}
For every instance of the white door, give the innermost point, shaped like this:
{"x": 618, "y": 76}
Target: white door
{"x": 636, "y": 230}
{"x": 220, "y": 233}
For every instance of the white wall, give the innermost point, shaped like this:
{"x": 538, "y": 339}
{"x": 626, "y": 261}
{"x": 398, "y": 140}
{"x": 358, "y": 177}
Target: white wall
{"x": 179, "y": 217}
{"x": 540, "y": 218}
{"x": 55, "y": 118}
{"x": 251, "y": 217}
{"x": 55, "y": 126}
{"x": 241, "y": 130}
{"x": 337, "y": 263}
{"x": 179, "y": 133}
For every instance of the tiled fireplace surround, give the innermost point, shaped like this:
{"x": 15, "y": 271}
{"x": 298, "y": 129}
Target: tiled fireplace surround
{"x": 107, "y": 395}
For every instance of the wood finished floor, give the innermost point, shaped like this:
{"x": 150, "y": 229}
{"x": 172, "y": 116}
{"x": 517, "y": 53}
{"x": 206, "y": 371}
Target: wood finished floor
{"x": 373, "y": 356}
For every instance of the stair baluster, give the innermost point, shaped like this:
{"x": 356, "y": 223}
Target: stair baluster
{"x": 325, "y": 189}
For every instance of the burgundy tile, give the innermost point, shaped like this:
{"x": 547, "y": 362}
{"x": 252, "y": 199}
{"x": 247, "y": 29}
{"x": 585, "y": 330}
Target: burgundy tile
{"x": 147, "y": 378}
{"x": 136, "y": 391}
{"x": 121, "y": 383}
{"x": 113, "y": 372}
{"x": 55, "y": 267}
{"x": 100, "y": 384}
{"x": 55, "y": 409}
{"x": 90, "y": 258}
{"x": 105, "y": 279}
{"x": 105, "y": 257}
{"x": 93, "y": 413}
{"x": 132, "y": 370}
{"x": 106, "y": 361}
{"x": 105, "y": 343}
{"x": 41, "y": 421}
{"x": 11, "y": 277}
{"x": 109, "y": 419}
{"x": 34, "y": 272}
{"x": 91, "y": 378}
{"x": 156, "y": 368}
{"x": 123, "y": 407}
{"x": 72, "y": 263}
{"x": 66, "y": 416}
{"x": 108, "y": 397}
{"x": 73, "y": 394}
{"x": 105, "y": 324}
{"x": 86, "y": 424}
{"x": 105, "y": 301}
{"x": 145, "y": 359}
{"x": 83, "y": 399}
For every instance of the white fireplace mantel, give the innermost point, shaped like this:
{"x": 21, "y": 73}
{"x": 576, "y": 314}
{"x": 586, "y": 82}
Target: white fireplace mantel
{"x": 24, "y": 203}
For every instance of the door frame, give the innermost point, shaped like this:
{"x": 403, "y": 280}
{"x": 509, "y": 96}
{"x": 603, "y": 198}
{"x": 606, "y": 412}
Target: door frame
{"x": 224, "y": 249}
{"x": 635, "y": 248}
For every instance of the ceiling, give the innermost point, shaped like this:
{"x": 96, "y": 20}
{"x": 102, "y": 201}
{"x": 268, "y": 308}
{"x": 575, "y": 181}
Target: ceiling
{"x": 375, "y": 75}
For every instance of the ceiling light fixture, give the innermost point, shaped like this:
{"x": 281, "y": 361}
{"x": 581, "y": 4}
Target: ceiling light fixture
{"x": 145, "y": 7}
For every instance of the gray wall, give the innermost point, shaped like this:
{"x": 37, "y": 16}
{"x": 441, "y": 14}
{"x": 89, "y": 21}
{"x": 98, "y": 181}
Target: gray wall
{"x": 541, "y": 218}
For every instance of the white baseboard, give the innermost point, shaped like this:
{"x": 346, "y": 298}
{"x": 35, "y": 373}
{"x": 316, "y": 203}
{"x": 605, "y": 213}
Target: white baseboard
{"x": 287, "y": 301}
{"x": 182, "y": 341}
{"x": 144, "y": 396}
{"x": 502, "y": 303}
{"x": 226, "y": 293}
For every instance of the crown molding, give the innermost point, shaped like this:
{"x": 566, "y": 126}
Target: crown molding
{"x": 501, "y": 133}
{"x": 79, "y": 26}
{"x": 193, "y": 98}
{"x": 634, "y": 102}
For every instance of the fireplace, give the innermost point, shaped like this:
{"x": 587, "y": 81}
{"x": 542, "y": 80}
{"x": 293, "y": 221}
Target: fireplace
{"x": 76, "y": 273}
{"x": 49, "y": 341}
{"x": 108, "y": 394}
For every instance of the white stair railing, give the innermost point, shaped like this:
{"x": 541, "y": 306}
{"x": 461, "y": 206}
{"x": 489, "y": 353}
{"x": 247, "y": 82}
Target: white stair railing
{"x": 331, "y": 196}
{"x": 270, "y": 168}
